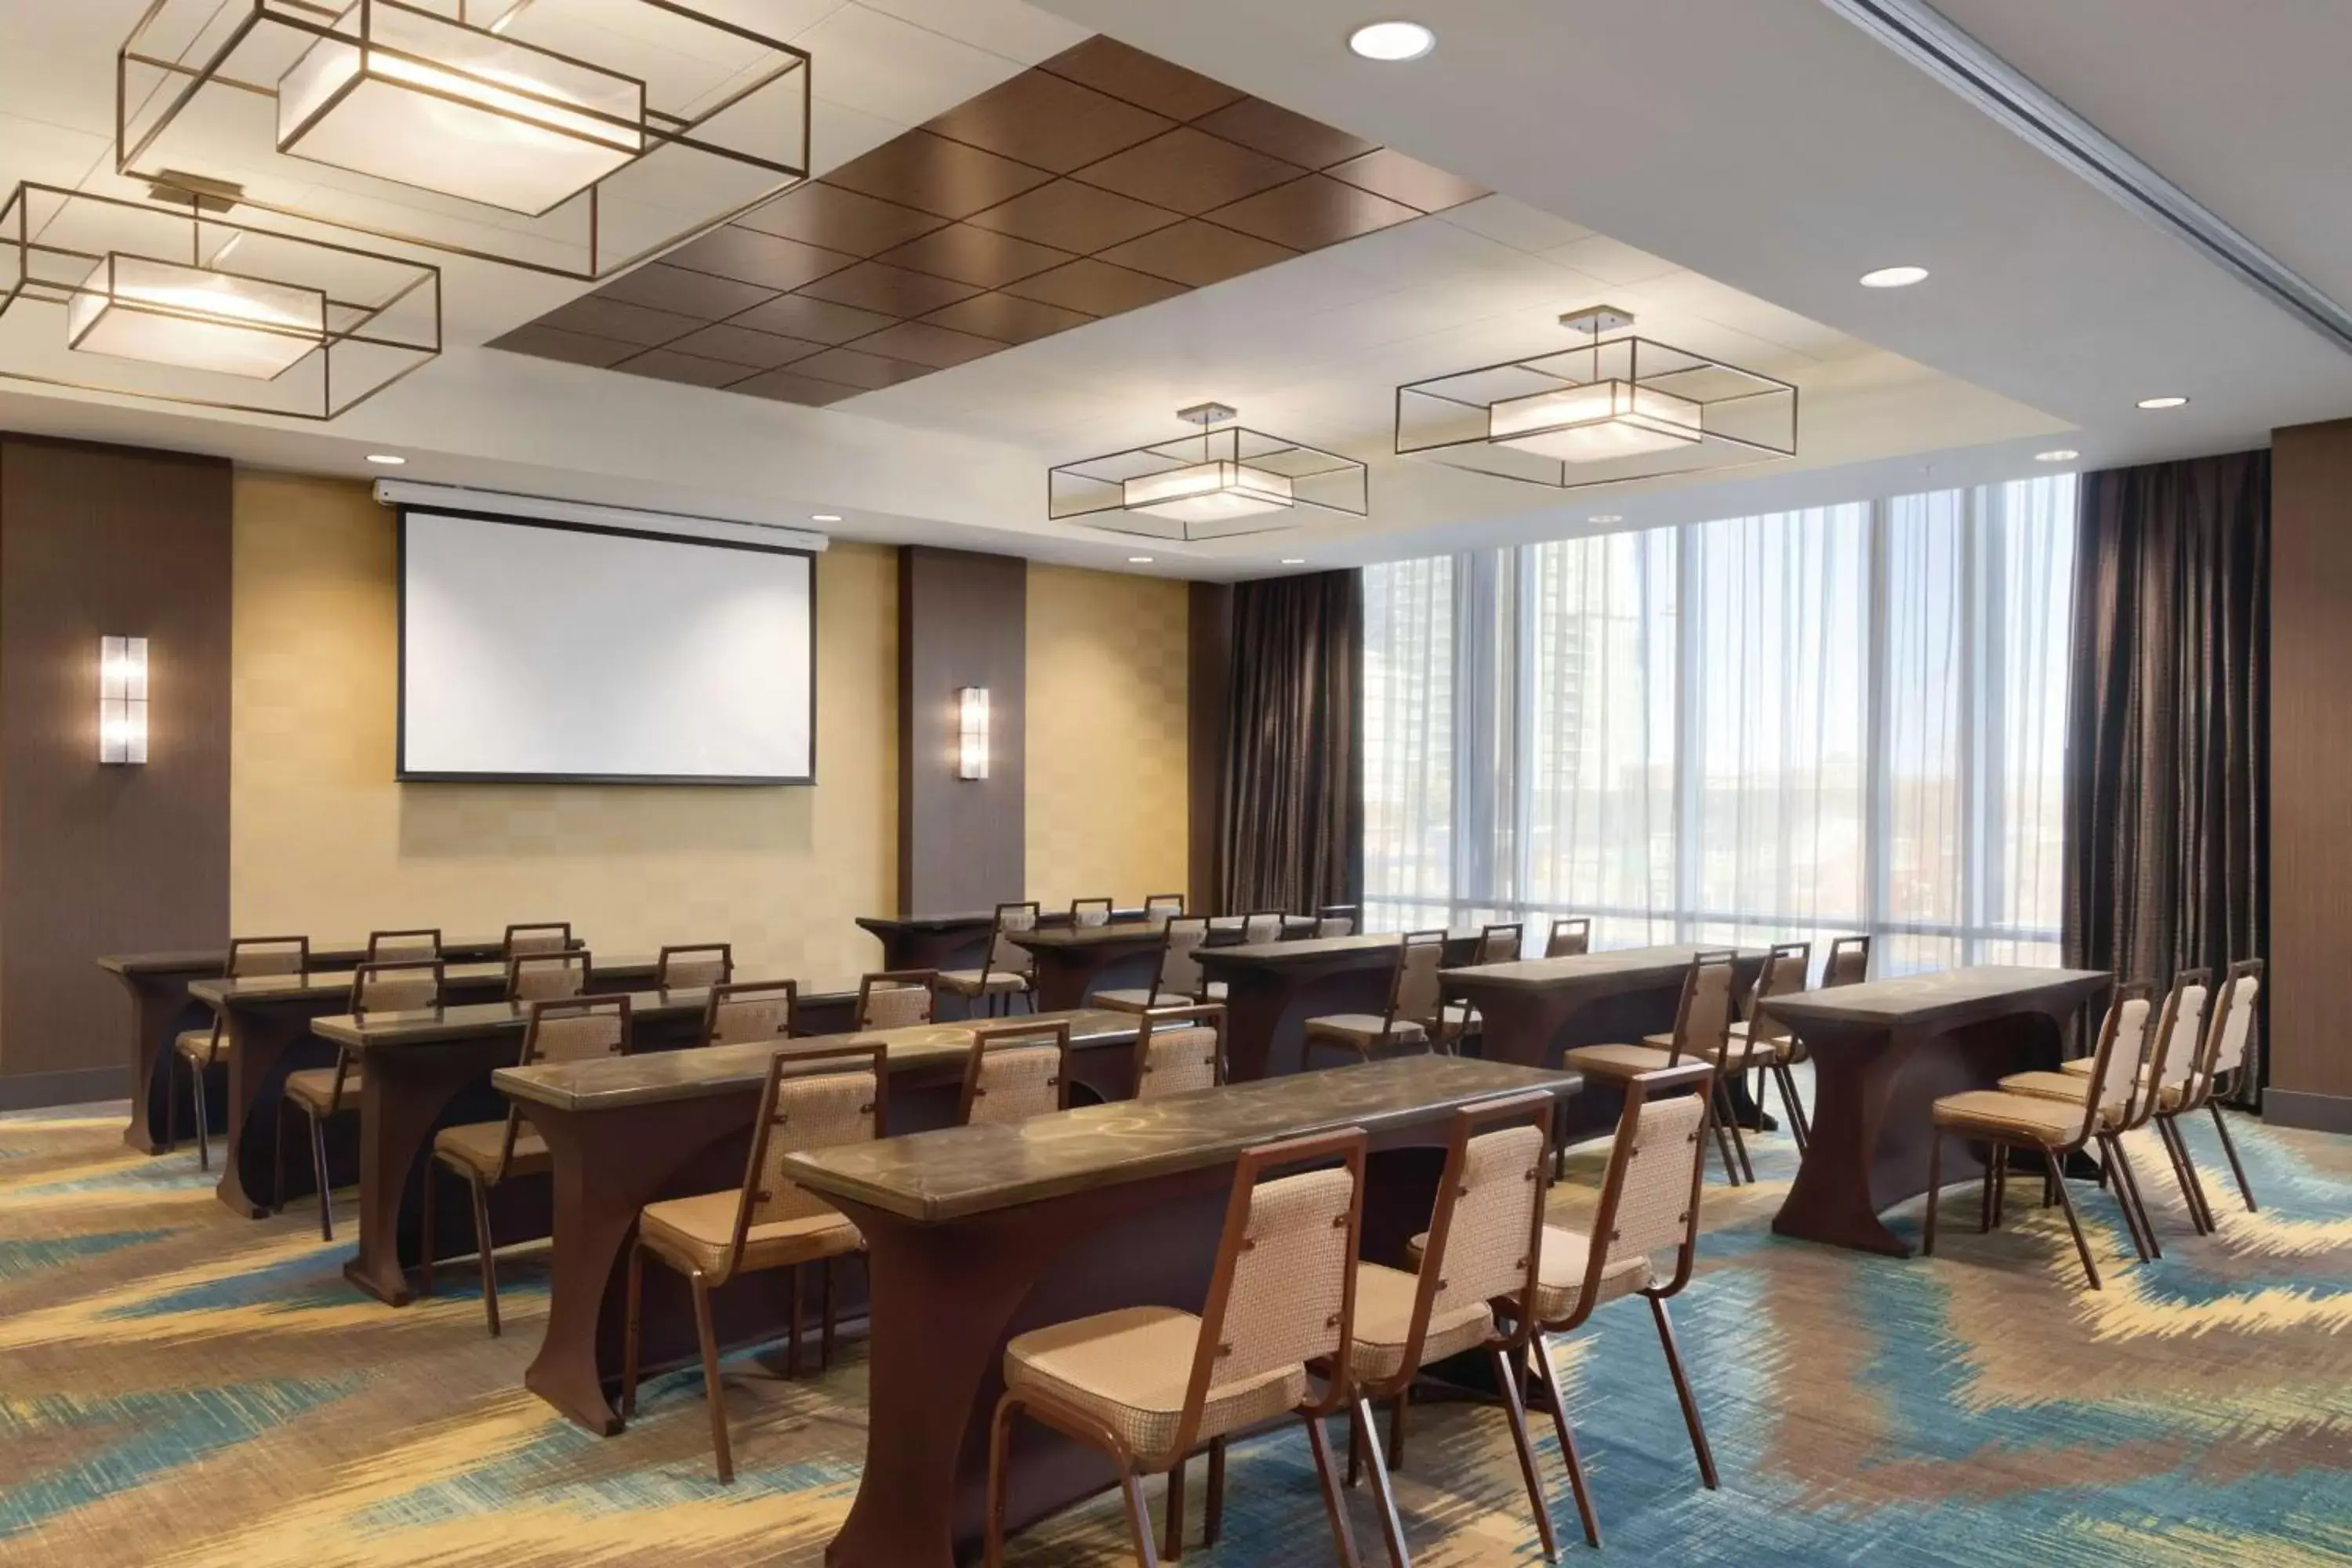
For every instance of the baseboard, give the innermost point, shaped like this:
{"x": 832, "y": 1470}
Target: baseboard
{"x": 2316, "y": 1113}
{"x": 81, "y": 1086}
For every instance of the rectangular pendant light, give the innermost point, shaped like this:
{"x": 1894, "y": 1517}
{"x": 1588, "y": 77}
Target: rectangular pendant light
{"x": 122, "y": 700}
{"x": 134, "y": 307}
{"x": 1595, "y": 421}
{"x": 404, "y": 95}
{"x": 972, "y": 732}
{"x": 1209, "y": 492}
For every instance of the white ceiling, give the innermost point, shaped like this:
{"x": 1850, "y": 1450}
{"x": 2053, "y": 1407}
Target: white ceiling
{"x": 1759, "y": 155}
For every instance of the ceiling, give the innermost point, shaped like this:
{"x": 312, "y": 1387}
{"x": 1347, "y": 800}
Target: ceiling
{"x": 1724, "y": 171}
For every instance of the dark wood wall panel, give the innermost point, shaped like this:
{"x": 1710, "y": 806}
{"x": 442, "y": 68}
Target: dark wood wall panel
{"x": 963, "y": 620}
{"x": 93, "y": 859}
{"x": 2311, "y": 759}
{"x": 1210, "y": 688}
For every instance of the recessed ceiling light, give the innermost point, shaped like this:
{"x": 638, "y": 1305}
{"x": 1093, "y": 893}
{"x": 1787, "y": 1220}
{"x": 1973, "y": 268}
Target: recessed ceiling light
{"x": 1392, "y": 40}
{"x": 2162, "y": 401}
{"x": 1894, "y": 278}
{"x": 1294, "y": 560}
{"x": 825, "y": 517}
{"x": 1139, "y": 561}
{"x": 1605, "y": 517}
{"x": 385, "y": 459}
{"x": 2061, "y": 455}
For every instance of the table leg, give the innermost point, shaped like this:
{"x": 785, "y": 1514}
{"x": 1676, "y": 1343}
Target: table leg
{"x": 264, "y": 1045}
{"x": 161, "y": 1008}
{"x": 407, "y": 1097}
{"x": 1833, "y": 1200}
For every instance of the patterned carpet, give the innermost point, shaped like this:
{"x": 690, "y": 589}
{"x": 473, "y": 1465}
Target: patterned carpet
{"x": 181, "y": 1388}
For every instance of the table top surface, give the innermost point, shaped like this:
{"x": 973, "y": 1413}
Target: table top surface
{"x": 1115, "y": 934}
{"x": 212, "y": 960}
{"x": 1587, "y": 968}
{"x": 957, "y": 1171}
{"x": 314, "y": 984}
{"x": 472, "y": 1020}
{"x": 1918, "y": 998}
{"x": 967, "y": 920}
{"x": 616, "y": 1083}
{"x": 1375, "y": 946}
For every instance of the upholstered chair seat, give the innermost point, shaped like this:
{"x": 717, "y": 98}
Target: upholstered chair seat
{"x": 697, "y": 1232}
{"x": 1138, "y": 1001}
{"x": 313, "y": 1088}
{"x": 1385, "y": 1304}
{"x": 981, "y": 983}
{"x": 196, "y": 1044}
{"x": 1129, "y": 1369}
{"x": 1367, "y": 1031}
{"x": 2031, "y": 1118}
{"x": 1621, "y": 1061}
{"x": 474, "y": 1149}
{"x": 1736, "y": 1047}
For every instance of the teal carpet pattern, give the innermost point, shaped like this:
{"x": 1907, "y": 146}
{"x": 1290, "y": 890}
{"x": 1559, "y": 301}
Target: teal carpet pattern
{"x": 181, "y": 1388}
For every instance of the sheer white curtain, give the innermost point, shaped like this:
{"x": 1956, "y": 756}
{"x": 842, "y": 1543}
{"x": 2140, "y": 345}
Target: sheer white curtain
{"x": 1771, "y": 728}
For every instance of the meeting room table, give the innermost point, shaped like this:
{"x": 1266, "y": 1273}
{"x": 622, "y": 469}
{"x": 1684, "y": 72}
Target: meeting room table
{"x": 1072, "y": 962}
{"x": 625, "y": 1131}
{"x": 1883, "y": 1053}
{"x": 162, "y": 1009}
{"x": 1272, "y": 988}
{"x": 975, "y": 1235}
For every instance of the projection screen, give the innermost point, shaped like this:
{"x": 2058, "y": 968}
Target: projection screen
{"x": 567, "y": 654}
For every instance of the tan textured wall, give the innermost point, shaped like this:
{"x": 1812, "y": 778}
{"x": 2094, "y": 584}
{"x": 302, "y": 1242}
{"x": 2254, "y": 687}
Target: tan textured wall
{"x": 323, "y": 841}
{"x": 1107, "y": 738}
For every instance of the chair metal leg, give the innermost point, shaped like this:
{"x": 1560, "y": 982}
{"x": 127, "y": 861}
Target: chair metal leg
{"x": 1683, "y": 1392}
{"x": 2000, "y": 1184}
{"x": 993, "y": 1524}
{"x": 824, "y": 1310}
{"x": 2193, "y": 1185}
{"x": 1212, "y": 1514}
{"x": 709, "y": 1339}
{"x": 634, "y": 1332}
{"x": 319, "y": 1166}
{"x": 2128, "y": 1174}
{"x": 1786, "y": 1084}
{"x": 1138, "y": 1518}
{"x": 486, "y": 1249}
{"x": 2074, "y": 1223}
{"x": 277, "y": 1162}
{"x": 426, "y": 1241}
{"x": 1396, "y": 1427}
{"x": 2229, "y": 1147}
{"x": 203, "y": 1117}
{"x": 792, "y": 1334}
{"x": 2111, "y": 1168}
{"x": 1935, "y": 1189}
{"x": 1723, "y": 1148}
{"x": 1739, "y": 1139}
{"x": 1383, "y": 1490}
{"x": 1174, "y": 1547}
{"x": 1334, "y": 1508}
{"x": 171, "y": 1100}
{"x": 1558, "y": 1394}
{"x": 1507, "y": 1376}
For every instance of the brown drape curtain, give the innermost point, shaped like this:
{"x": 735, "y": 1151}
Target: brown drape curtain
{"x": 1292, "y": 796}
{"x": 2168, "y": 762}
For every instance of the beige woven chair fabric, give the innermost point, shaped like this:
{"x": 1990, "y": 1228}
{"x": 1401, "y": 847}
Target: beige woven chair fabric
{"x": 1016, "y": 1082}
{"x": 1129, "y": 1369}
{"x": 1180, "y": 971}
{"x": 691, "y": 971}
{"x": 1417, "y": 987}
{"x": 313, "y": 1088}
{"x": 551, "y": 977}
{"x": 476, "y": 1146}
{"x": 1384, "y": 1302}
{"x": 1654, "y": 1205}
{"x": 2126, "y": 1058}
{"x": 1284, "y": 1307}
{"x": 2017, "y": 1117}
{"x": 819, "y": 1111}
{"x": 895, "y": 1006}
{"x": 271, "y": 959}
{"x": 1137, "y": 1001}
{"x": 1709, "y": 1016}
{"x": 1087, "y": 916}
{"x": 1846, "y": 966}
{"x": 1177, "y": 1061}
{"x": 1262, "y": 928}
{"x": 749, "y": 1017}
{"x": 196, "y": 1044}
{"x": 1568, "y": 943}
{"x": 1003, "y": 952}
{"x": 969, "y": 982}
{"x": 2236, "y": 1024}
{"x": 577, "y": 1037}
{"x": 401, "y": 991}
{"x": 1617, "y": 1061}
{"x": 1335, "y": 925}
{"x": 700, "y": 1231}
{"x": 547, "y": 939}
{"x": 407, "y": 949}
{"x": 1487, "y": 1246}
{"x": 1567, "y": 1259}
{"x": 1365, "y": 1031}
{"x": 2177, "y": 1057}
{"x": 1500, "y": 946}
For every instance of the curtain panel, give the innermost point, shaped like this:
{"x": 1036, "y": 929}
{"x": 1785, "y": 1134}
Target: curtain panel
{"x": 1292, "y": 796}
{"x": 2167, "y": 769}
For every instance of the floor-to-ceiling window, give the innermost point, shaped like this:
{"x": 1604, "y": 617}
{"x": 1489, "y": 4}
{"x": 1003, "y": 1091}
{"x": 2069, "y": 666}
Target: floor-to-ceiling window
{"x": 1779, "y": 727}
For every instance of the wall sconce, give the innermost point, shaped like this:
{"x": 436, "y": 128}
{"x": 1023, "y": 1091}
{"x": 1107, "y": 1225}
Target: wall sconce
{"x": 972, "y": 732}
{"x": 122, "y": 699}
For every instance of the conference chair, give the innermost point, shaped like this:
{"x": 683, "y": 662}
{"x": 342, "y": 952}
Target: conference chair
{"x": 1702, "y": 1027}
{"x": 400, "y": 946}
{"x": 2003, "y": 1120}
{"x": 550, "y": 975}
{"x": 897, "y": 998}
{"x": 1415, "y": 1014}
{"x": 1163, "y": 906}
{"x": 550, "y": 936}
{"x": 199, "y": 1050}
{"x": 322, "y": 1094}
{"x": 1179, "y": 1049}
{"x": 1146, "y": 1386}
{"x": 1177, "y": 981}
{"x": 749, "y": 1013}
{"x": 1500, "y": 943}
{"x": 487, "y": 1155}
{"x": 695, "y": 965}
{"x": 1758, "y": 1041}
{"x": 1084, "y": 912}
{"x": 819, "y": 1101}
{"x": 1006, "y": 969}
{"x": 1571, "y": 937}
{"x": 1264, "y": 925}
{"x": 1015, "y": 1071}
{"x": 1336, "y": 920}
{"x": 1849, "y": 961}
{"x": 2223, "y": 1057}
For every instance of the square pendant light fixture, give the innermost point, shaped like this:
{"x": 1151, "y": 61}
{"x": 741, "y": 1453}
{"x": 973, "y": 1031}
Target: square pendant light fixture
{"x": 1615, "y": 409}
{"x": 971, "y": 732}
{"x": 1223, "y": 482}
{"x": 122, "y": 700}
{"x": 178, "y": 303}
{"x": 572, "y": 137}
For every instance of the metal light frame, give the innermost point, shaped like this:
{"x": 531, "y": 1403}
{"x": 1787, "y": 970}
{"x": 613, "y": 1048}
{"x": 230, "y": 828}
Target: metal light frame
{"x": 1744, "y": 417}
{"x": 394, "y": 332}
{"x": 1096, "y": 487}
{"x": 216, "y": 31}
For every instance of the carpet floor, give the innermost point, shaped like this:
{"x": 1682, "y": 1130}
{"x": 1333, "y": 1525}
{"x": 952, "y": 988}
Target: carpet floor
{"x": 181, "y": 1388}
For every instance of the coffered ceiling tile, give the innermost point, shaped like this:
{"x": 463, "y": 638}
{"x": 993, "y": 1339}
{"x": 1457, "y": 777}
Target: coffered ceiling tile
{"x": 1188, "y": 170}
{"x": 663, "y": 364}
{"x": 893, "y": 290}
{"x": 1008, "y": 320}
{"x": 937, "y": 176}
{"x": 1096, "y": 288}
{"x": 976, "y": 256}
{"x": 1309, "y": 214}
{"x": 1197, "y": 254}
{"x": 604, "y": 317}
{"x": 919, "y": 342}
{"x": 863, "y": 371}
{"x": 743, "y": 346}
{"x": 1075, "y": 218}
{"x": 1049, "y": 121}
{"x": 817, "y": 320}
{"x": 839, "y": 219}
{"x": 749, "y": 255}
{"x": 1389, "y": 172}
{"x": 1108, "y": 65}
{"x": 544, "y": 342}
{"x": 683, "y": 292}
{"x": 1293, "y": 138}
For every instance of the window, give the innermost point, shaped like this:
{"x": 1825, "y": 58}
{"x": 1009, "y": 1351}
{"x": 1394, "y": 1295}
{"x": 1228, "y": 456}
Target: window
{"x": 1782, "y": 727}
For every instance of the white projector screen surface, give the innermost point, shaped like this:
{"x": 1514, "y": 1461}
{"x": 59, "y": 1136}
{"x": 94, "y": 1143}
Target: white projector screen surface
{"x": 541, "y": 651}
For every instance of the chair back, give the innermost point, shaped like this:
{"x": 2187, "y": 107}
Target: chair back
{"x": 1264, "y": 926}
{"x": 1415, "y": 992}
{"x": 1179, "y": 1049}
{"x": 1180, "y": 957}
{"x": 820, "y": 1099}
{"x": 1501, "y": 943}
{"x": 1649, "y": 1196}
{"x": 400, "y": 986}
{"x": 1283, "y": 1293}
{"x": 1005, "y": 954}
{"x": 691, "y": 967}
{"x": 1703, "y": 1017}
{"x": 1485, "y": 1235}
{"x": 1086, "y": 913}
{"x": 1785, "y": 971}
{"x": 249, "y": 956}
{"x": 2231, "y": 1026}
{"x": 752, "y": 1012}
{"x": 1015, "y": 1071}
{"x": 579, "y": 1029}
{"x": 2122, "y": 1057}
{"x": 1570, "y": 937}
{"x": 548, "y": 936}
{"x": 897, "y": 998}
{"x": 547, "y": 976}
{"x": 1163, "y": 906}
{"x": 1849, "y": 961}
{"x": 1336, "y": 920}
{"x": 2178, "y": 1036}
{"x": 392, "y": 946}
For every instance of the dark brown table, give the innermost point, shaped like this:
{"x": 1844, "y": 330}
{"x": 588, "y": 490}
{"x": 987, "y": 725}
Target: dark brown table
{"x": 958, "y": 941}
{"x": 161, "y": 1008}
{"x": 977, "y": 1233}
{"x": 1074, "y": 961}
{"x": 1883, "y": 1053}
{"x": 626, "y": 1131}
{"x": 424, "y": 1070}
{"x": 1274, "y": 987}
